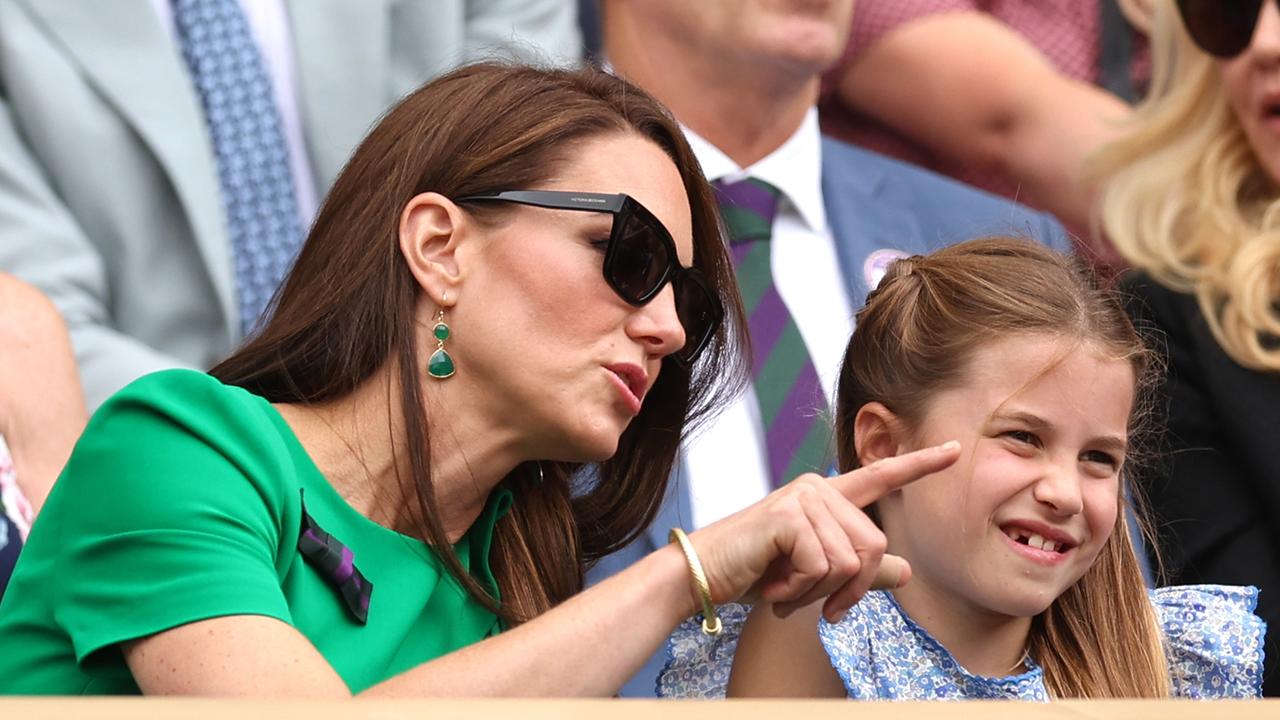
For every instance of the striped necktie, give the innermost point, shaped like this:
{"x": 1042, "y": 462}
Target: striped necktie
{"x": 248, "y": 142}
{"x": 793, "y": 408}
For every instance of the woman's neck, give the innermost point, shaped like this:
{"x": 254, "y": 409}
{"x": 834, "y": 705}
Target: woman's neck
{"x": 359, "y": 443}
{"x": 983, "y": 642}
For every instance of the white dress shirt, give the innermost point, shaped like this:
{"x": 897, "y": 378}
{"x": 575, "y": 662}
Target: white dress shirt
{"x": 270, "y": 27}
{"x": 726, "y": 458}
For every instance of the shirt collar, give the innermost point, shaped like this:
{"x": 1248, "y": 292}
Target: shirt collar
{"x": 795, "y": 168}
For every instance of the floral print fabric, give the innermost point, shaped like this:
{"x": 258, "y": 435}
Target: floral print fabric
{"x": 1213, "y": 639}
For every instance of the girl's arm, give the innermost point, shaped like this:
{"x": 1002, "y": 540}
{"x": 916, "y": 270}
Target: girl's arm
{"x": 783, "y": 657}
{"x": 802, "y": 544}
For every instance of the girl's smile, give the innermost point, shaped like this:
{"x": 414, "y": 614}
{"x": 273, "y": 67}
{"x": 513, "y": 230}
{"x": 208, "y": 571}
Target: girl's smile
{"x": 1039, "y": 542}
{"x": 1034, "y": 498}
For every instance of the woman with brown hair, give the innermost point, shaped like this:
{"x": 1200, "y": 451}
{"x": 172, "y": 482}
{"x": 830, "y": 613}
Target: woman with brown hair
{"x": 519, "y": 271}
{"x": 1024, "y": 584}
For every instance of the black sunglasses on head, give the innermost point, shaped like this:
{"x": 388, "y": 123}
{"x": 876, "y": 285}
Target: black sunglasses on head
{"x": 1223, "y": 28}
{"x": 640, "y": 258}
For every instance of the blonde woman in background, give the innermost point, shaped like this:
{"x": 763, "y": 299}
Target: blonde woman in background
{"x": 1192, "y": 201}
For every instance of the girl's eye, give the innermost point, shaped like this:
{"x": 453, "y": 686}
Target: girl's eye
{"x": 1101, "y": 458}
{"x": 600, "y": 244}
{"x": 1022, "y": 436}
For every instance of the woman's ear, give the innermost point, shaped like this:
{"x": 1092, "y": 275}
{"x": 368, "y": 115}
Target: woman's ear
{"x": 877, "y": 433}
{"x": 431, "y": 226}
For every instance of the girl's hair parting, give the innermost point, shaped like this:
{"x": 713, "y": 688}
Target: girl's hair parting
{"x": 916, "y": 335}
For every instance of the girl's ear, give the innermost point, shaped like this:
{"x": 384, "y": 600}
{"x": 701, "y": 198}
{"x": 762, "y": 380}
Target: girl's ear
{"x": 877, "y": 433}
{"x": 431, "y": 226}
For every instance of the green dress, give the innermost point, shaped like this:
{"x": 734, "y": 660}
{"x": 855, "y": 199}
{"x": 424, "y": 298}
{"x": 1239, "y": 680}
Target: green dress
{"x": 184, "y": 500}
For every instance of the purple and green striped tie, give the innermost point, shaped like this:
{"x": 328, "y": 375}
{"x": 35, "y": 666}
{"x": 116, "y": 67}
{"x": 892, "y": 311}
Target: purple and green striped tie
{"x": 793, "y": 408}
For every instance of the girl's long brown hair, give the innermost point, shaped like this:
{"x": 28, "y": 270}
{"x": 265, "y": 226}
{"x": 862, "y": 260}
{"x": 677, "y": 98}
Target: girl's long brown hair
{"x": 916, "y": 335}
{"x": 346, "y": 309}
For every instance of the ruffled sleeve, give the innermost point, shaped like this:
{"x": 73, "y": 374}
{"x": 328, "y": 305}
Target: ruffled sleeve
{"x": 848, "y": 644}
{"x": 697, "y": 665}
{"x": 1213, "y": 638}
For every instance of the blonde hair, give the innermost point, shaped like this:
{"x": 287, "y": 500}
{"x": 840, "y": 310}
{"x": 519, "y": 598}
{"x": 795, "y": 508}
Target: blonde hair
{"x": 915, "y": 336}
{"x": 1186, "y": 200}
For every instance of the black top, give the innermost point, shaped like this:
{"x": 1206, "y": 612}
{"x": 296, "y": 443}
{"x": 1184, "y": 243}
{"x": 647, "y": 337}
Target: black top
{"x": 1215, "y": 490}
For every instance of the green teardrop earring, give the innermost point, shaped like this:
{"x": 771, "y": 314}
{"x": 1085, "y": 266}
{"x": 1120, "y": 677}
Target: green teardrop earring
{"x": 440, "y": 365}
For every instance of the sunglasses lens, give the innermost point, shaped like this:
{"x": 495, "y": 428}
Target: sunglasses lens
{"x": 699, "y": 312}
{"x": 1220, "y": 27}
{"x": 637, "y": 263}
{"x": 640, "y": 258}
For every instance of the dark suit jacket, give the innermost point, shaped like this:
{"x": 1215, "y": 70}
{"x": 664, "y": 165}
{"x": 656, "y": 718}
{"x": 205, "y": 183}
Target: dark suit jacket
{"x": 873, "y": 203}
{"x": 1215, "y": 488}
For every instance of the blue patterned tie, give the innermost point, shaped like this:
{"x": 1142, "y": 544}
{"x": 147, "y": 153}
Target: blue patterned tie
{"x": 253, "y": 160}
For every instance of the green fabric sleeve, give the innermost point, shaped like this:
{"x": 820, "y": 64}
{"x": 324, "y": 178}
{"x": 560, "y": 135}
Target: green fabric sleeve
{"x": 174, "y": 507}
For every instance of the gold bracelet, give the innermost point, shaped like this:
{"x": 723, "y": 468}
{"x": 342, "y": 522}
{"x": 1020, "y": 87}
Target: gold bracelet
{"x": 710, "y": 620}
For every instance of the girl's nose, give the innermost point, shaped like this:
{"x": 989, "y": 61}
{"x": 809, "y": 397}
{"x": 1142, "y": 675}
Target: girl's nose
{"x": 1060, "y": 490}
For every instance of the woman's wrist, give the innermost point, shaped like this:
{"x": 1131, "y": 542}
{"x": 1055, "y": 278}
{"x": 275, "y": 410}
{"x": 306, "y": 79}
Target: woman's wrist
{"x": 670, "y": 573}
{"x": 697, "y": 581}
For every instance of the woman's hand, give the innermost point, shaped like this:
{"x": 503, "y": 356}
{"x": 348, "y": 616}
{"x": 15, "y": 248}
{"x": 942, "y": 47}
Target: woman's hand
{"x": 811, "y": 540}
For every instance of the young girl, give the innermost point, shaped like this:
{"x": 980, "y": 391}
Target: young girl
{"x": 1024, "y": 583}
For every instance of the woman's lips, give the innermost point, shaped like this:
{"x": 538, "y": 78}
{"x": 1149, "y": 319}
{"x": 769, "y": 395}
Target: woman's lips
{"x": 632, "y": 383}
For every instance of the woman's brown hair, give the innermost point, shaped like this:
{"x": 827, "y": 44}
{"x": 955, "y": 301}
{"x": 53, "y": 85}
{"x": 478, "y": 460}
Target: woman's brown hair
{"x": 346, "y": 309}
{"x": 916, "y": 336}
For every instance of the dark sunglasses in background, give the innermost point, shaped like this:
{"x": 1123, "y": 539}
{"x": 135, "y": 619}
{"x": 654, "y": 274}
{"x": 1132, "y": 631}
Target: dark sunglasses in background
{"x": 1223, "y": 28}
{"x": 640, "y": 258}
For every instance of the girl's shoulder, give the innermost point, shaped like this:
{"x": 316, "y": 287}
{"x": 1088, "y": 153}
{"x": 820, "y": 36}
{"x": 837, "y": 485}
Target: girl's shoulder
{"x": 1213, "y": 639}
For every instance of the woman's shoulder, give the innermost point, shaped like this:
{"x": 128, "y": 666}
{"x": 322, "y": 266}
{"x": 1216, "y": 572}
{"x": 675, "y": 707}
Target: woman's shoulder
{"x": 191, "y": 400}
{"x": 1213, "y": 639}
{"x": 179, "y": 428}
{"x": 178, "y": 387}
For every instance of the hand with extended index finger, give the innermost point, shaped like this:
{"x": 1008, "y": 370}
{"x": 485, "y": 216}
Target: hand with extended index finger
{"x": 811, "y": 539}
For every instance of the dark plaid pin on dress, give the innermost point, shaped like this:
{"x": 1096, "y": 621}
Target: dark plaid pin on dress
{"x": 336, "y": 564}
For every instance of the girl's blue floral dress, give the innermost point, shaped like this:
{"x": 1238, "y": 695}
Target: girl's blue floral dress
{"x": 1213, "y": 640}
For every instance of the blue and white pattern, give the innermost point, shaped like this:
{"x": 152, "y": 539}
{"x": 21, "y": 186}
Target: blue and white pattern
{"x": 1213, "y": 640}
{"x": 248, "y": 142}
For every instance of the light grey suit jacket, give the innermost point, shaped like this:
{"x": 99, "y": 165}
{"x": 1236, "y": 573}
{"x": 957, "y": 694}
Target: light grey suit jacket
{"x": 109, "y": 196}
